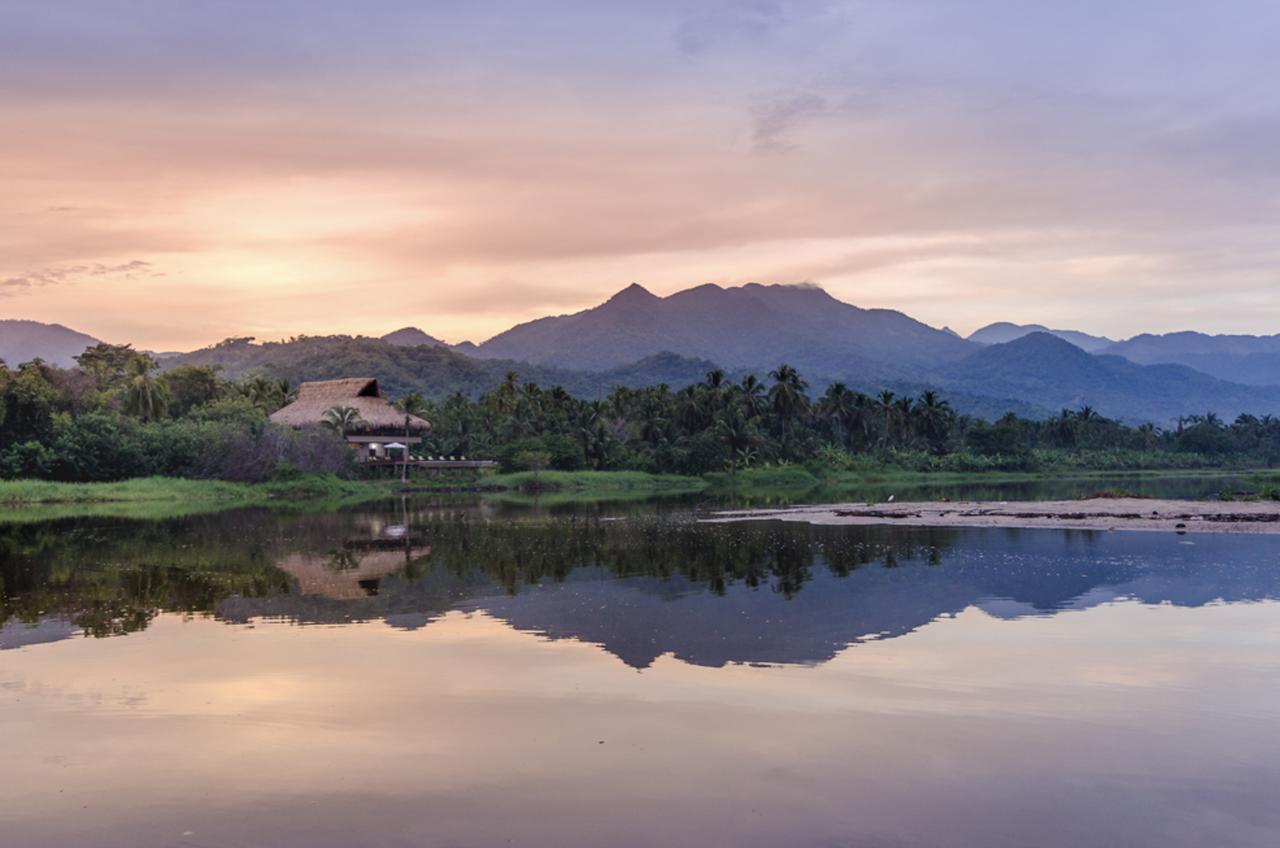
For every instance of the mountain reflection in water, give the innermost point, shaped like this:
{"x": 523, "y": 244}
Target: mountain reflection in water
{"x": 419, "y": 675}
{"x": 640, "y": 588}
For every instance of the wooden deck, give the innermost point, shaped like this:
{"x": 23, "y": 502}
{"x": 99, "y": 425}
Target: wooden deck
{"x": 436, "y": 464}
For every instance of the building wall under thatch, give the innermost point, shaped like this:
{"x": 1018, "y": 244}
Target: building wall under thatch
{"x": 361, "y": 394}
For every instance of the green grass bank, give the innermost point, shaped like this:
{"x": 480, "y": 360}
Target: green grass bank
{"x": 31, "y": 492}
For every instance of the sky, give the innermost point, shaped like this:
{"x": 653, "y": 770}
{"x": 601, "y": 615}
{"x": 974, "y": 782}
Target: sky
{"x": 174, "y": 173}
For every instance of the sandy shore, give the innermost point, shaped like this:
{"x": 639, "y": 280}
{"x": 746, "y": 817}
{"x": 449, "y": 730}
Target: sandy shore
{"x": 1093, "y": 514}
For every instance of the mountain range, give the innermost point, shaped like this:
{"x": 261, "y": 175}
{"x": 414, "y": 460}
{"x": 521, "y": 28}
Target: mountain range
{"x": 637, "y": 338}
{"x": 752, "y": 326}
{"x": 1047, "y": 371}
{"x": 1251, "y": 360}
{"x": 1254, "y": 360}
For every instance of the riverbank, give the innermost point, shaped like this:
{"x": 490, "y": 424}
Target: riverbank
{"x": 160, "y": 497}
{"x": 796, "y": 480}
{"x": 594, "y": 482}
{"x": 32, "y": 492}
{"x": 1104, "y": 514}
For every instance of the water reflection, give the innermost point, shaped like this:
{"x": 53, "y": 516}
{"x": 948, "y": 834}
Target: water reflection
{"x": 424, "y": 675}
{"x": 651, "y": 585}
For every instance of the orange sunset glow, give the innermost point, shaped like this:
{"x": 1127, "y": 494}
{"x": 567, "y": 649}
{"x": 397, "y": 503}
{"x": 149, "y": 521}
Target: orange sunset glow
{"x": 172, "y": 179}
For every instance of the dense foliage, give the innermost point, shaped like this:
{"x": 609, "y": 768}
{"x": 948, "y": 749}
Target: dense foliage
{"x": 724, "y": 425}
{"x": 116, "y": 415}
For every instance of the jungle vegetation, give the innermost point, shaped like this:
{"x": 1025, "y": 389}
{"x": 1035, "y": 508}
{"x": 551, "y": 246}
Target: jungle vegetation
{"x": 117, "y": 415}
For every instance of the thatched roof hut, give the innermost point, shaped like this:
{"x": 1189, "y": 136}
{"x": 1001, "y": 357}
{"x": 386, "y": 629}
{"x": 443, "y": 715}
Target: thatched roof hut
{"x": 360, "y": 393}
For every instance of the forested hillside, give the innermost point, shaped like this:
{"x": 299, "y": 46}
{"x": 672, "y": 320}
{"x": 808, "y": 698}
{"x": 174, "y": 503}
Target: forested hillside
{"x": 429, "y": 370}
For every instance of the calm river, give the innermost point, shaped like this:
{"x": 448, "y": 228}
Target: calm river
{"x": 433, "y": 674}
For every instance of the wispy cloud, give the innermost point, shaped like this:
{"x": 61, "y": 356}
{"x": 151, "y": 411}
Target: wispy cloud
{"x": 774, "y": 117}
{"x": 736, "y": 20}
{"x": 62, "y": 275}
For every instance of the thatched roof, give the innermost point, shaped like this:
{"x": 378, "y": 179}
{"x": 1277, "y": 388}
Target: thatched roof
{"x": 316, "y": 575}
{"x": 360, "y": 393}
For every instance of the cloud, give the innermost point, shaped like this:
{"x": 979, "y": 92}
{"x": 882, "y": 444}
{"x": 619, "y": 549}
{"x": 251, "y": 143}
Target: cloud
{"x": 773, "y": 118}
{"x": 61, "y": 275}
{"x": 749, "y": 21}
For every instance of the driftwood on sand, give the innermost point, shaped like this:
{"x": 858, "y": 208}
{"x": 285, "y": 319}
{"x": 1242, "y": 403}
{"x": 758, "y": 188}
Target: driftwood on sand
{"x": 1094, "y": 514}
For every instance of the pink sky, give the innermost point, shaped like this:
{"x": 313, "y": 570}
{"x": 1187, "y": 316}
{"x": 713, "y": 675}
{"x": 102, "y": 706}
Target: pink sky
{"x": 177, "y": 174}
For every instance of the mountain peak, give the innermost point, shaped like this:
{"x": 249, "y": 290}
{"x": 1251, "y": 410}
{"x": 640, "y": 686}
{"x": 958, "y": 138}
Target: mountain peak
{"x": 634, "y": 293}
{"x": 1041, "y": 339}
{"x": 1005, "y": 331}
{"x": 410, "y": 337}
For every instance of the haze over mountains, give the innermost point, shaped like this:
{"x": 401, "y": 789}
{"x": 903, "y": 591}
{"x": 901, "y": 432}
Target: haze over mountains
{"x": 1002, "y": 332}
{"x": 22, "y": 341}
{"x": 637, "y": 338}
{"x": 1254, "y": 360}
{"x": 1052, "y": 373}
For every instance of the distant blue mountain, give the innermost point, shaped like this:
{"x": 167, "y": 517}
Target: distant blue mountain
{"x": 1241, "y": 359}
{"x": 1003, "y": 331}
{"x": 22, "y": 341}
{"x": 1043, "y": 369}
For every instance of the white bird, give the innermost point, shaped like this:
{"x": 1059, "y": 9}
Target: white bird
{"x": 890, "y": 499}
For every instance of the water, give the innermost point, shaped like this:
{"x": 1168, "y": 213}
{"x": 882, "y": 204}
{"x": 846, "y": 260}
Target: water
{"x": 425, "y": 674}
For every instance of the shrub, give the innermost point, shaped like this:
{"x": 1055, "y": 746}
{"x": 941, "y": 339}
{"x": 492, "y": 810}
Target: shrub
{"x": 26, "y": 460}
{"x": 562, "y": 453}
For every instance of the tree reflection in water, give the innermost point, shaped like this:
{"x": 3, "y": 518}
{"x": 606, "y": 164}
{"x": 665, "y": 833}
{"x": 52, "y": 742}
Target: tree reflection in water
{"x": 713, "y": 593}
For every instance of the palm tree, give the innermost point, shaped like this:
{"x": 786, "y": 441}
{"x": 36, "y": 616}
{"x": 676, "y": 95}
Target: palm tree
{"x": 1149, "y": 434}
{"x": 752, "y": 391}
{"x": 904, "y": 412}
{"x": 342, "y": 419}
{"x": 267, "y": 395}
{"x": 593, "y": 433}
{"x": 504, "y": 398}
{"x": 412, "y": 404}
{"x": 1063, "y": 428}
{"x": 144, "y": 395}
{"x": 885, "y": 404}
{"x": 934, "y": 417}
{"x": 738, "y": 434}
{"x": 787, "y": 396}
{"x": 840, "y": 407}
{"x": 690, "y": 409}
{"x": 652, "y": 428}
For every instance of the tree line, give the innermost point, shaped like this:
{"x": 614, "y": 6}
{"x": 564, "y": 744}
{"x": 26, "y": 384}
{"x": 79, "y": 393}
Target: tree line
{"x": 724, "y": 425}
{"x": 117, "y": 414}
